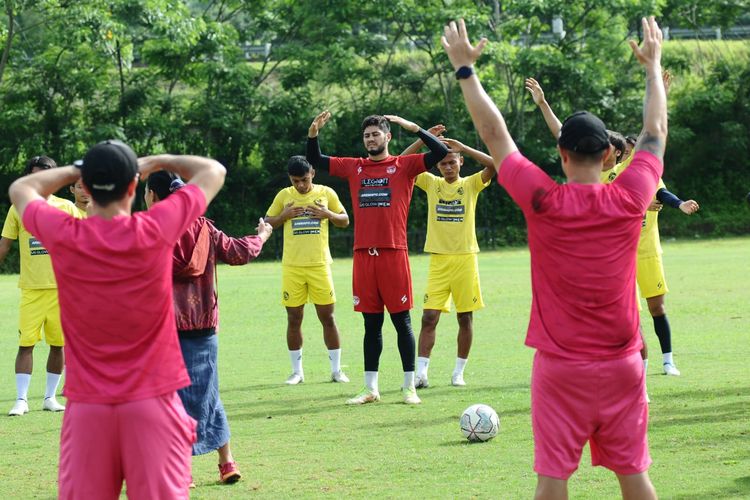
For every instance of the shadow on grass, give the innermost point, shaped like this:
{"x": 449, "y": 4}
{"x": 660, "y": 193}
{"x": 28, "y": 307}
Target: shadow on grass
{"x": 741, "y": 489}
{"x": 698, "y": 406}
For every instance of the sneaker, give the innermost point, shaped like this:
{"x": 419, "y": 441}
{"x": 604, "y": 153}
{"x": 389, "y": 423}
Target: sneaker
{"x": 671, "y": 369}
{"x": 19, "y": 408}
{"x": 410, "y": 395}
{"x": 295, "y": 378}
{"x": 365, "y": 396}
{"x": 51, "y": 404}
{"x": 458, "y": 380}
{"x": 192, "y": 483}
{"x": 229, "y": 473}
{"x": 339, "y": 377}
{"x": 420, "y": 382}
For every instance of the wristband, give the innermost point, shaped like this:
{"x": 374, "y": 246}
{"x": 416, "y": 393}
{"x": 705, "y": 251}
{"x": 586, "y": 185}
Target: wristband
{"x": 464, "y": 72}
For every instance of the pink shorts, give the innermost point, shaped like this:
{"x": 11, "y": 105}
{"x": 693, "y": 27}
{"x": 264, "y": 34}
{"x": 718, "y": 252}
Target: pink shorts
{"x": 603, "y": 402}
{"x": 381, "y": 277}
{"x": 146, "y": 443}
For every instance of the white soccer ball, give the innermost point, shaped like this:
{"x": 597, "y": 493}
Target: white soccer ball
{"x": 479, "y": 423}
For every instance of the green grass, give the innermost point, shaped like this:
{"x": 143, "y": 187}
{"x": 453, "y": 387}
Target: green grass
{"x": 304, "y": 442}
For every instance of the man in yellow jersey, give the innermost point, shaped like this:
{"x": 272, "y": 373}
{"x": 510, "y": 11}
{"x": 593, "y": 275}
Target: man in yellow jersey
{"x": 452, "y": 244}
{"x": 305, "y": 209}
{"x": 81, "y": 198}
{"x": 39, "y": 308}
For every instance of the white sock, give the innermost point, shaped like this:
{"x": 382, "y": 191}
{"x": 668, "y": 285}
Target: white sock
{"x": 334, "y": 356}
{"x": 22, "y": 385}
{"x": 52, "y": 380}
{"x": 371, "y": 381}
{"x": 422, "y": 365}
{"x": 460, "y": 365}
{"x": 668, "y": 358}
{"x": 408, "y": 379}
{"x": 296, "y": 359}
{"x": 645, "y": 366}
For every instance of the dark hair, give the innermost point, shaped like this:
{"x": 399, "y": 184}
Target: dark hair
{"x": 43, "y": 162}
{"x": 619, "y": 142}
{"x": 379, "y": 121}
{"x": 298, "y": 166}
{"x": 631, "y": 139}
{"x": 164, "y": 183}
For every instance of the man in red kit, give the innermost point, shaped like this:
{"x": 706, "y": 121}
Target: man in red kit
{"x": 381, "y": 187}
{"x": 124, "y": 419}
{"x": 587, "y": 382}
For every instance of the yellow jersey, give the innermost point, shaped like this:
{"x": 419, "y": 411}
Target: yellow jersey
{"x": 305, "y": 237}
{"x": 451, "y": 209}
{"x": 36, "y": 267}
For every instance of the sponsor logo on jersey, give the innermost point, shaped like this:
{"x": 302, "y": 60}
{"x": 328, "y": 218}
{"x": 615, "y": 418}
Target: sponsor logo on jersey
{"x": 460, "y": 190}
{"x": 391, "y": 170}
{"x": 355, "y": 300}
{"x": 305, "y": 226}
{"x": 36, "y": 247}
{"x": 369, "y": 198}
{"x": 374, "y": 182}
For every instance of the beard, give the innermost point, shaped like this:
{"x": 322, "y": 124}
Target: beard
{"x": 376, "y": 150}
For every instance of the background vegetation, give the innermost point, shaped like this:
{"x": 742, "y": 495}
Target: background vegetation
{"x": 240, "y": 81}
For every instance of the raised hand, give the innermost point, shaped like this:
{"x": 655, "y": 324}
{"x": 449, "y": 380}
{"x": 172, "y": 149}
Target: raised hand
{"x": 318, "y": 123}
{"x": 666, "y": 77}
{"x": 689, "y": 207}
{"x": 147, "y": 165}
{"x": 537, "y": 94}
{"x": 437, "y": 130}
{"x": 264, "y": 230}
{"x": 405, "y": 124}
{"x": 457, "y": 46}
{"x": 649, "y": 53}
{"x": 454, "y": 145}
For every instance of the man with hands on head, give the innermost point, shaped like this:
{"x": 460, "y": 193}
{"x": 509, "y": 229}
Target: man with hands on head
{"x": 124, "y": 420}
{"x": 305, "y": 209}
{"x": 584, "y": 324}
{"x": 381, "y": 186}
{"x": 452, "y": 244}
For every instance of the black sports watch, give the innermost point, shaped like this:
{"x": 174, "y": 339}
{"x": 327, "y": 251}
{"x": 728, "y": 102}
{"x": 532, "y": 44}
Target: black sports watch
{"x": 464, "y": 72}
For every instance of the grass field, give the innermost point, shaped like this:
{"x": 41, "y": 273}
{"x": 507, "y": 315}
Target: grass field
{"x": 303, "y": 441}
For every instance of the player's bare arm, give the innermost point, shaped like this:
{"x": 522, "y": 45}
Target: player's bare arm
{"x": 289, "y": 212}
{"x": 654, "y": 134}
{"x": 414, "y": 147}
{"x": 321, "y": 212}
{"x": 5, "y": 244}
{"x": 487, "y": 118}
{"x": 483, "y": 159}
{"x": 205, "y": 173}
{"x": 537, "y": 94}
{"x": 40, "y": 185}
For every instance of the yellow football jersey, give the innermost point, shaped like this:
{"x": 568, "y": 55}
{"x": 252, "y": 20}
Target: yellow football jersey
{"x": 36, "y": 267}
{"x": 451, "y": 213}
{"x": 305, "y": 237}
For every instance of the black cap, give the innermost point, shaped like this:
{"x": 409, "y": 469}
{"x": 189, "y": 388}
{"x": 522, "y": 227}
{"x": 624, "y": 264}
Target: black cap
{"x": 584, "y": 133}
{"x": 108, "y": 167}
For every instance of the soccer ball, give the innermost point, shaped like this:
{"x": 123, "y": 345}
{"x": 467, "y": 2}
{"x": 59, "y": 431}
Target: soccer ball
{"x": 479, "y": 423}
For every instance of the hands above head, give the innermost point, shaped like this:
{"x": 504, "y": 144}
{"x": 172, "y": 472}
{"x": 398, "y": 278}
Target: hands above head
{"x": 649, "y": 53}
{"x": 264, "y": 230}
{"x": 689, "y": 207}
{"x": 537, "y": 94}
{"x": 147, "y": 165}
{"x": 405, "y": 124}
{"x": 454, "y": 145}
{"x": 666, "y": 77}
{"x": 318, "y": 123}
{"x": 458, "y": 47}
{"x": 437, "y": 130}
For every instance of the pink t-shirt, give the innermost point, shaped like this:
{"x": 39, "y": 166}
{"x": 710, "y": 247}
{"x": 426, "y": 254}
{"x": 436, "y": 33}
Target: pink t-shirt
{"x": 583, "y": 240}
{"x": 115, "y": 289}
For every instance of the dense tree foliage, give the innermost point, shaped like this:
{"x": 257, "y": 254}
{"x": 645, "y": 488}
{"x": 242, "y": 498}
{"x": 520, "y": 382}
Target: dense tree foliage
{"x": 240, "y": 81}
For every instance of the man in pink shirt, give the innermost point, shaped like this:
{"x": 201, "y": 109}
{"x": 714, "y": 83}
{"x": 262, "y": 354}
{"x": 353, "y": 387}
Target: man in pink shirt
{"x": 124, "y": 420}
{"x": 587, "y": 380}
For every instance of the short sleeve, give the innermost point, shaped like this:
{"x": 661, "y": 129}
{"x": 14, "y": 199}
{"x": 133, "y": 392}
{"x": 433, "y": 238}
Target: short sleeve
{"x": 476, "y": 182}
{"x": 175, "y": 214}
{"x": 641, "y": 178}
{"x": 277, "y": 205}
{"x": 415, "y": 164}
{"x": 46, "y": 222}
{"x": 424, "y": 181}
{"x": 525, "y": 182}
{"x": 10, "y": 228}
{"x": 334, "y": 203}
{"x": 342, "y": 167}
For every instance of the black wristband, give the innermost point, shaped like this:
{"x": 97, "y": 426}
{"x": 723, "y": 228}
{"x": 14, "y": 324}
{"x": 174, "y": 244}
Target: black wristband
{"x": 464, "y": 72}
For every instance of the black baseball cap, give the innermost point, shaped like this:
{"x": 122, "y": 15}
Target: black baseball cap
{"x": 108, "y": 167}
{"x": 583, "y": 133}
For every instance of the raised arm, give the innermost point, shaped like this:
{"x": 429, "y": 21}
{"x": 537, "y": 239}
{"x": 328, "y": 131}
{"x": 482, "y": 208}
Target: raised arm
{"x": 666, "y": 197}
{"x": 481, "y": 158}
{"x": 414, "y": 147}
{"x": 537, "y": 94}
{"x": 40, "y": 185}
{"x": 203, "y": 172}
{"x": 653, "y": 137}
{"x": 485, "y": 115}
{"x": 438, "y": 150}
{"x": 313, "y": 154}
